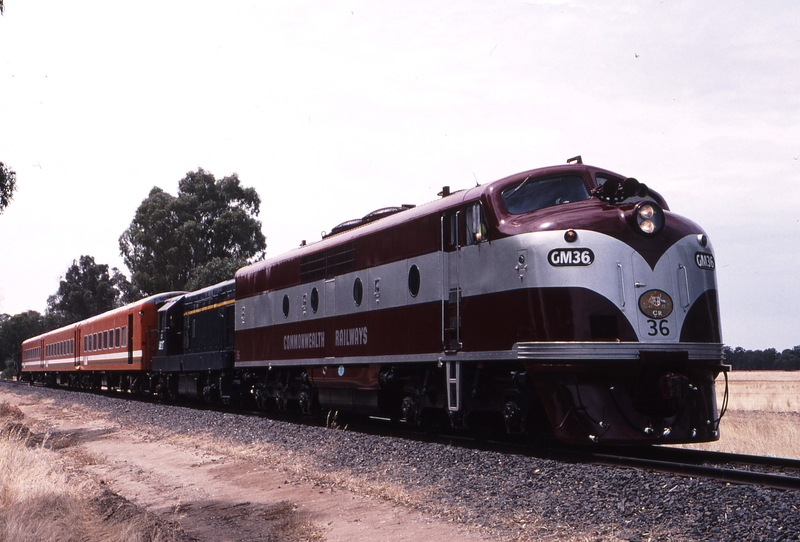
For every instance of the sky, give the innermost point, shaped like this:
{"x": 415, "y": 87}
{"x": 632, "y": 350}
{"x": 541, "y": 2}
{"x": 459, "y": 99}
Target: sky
{"x": 331, "y": 109}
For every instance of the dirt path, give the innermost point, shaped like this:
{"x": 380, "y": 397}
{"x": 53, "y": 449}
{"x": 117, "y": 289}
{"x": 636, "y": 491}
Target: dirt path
{"x": 212, "y": 495}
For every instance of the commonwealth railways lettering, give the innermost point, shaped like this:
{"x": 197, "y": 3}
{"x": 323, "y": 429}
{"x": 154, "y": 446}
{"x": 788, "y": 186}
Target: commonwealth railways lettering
{"x": 303, "y": 341}
{"x": 356, "y": 336}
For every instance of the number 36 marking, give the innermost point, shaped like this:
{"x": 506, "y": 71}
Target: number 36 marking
{"x": 657, "y": 327}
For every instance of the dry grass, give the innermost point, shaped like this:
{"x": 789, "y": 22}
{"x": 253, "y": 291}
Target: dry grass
{"x": 42, "y": 500}
{"x": 762, "y": 391}
{"x": 763, "y": 415}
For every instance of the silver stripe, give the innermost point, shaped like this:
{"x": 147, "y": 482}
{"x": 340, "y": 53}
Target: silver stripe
{"x": 492, "y": 267}
{"x": 535, "y": 351}
{"x": 612, "y": 351}
{"x": 336, "y": 295}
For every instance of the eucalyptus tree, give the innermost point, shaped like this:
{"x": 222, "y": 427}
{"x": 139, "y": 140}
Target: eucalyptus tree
{"x": 194, "y": 239}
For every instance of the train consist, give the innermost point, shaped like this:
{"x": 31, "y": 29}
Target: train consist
{"x": 566, "y": 300}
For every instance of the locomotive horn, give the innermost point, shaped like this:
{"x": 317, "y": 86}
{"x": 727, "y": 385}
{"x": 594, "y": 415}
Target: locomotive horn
{"x": 610, "y": 189}
{"x": 631, "y": 187}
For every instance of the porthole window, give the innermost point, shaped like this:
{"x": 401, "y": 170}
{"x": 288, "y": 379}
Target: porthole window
{"x": 413, "y": 280}
{"x": 314, "y": 300}
{"x": 286, "y": 306}
{"x": 358, "y": 292}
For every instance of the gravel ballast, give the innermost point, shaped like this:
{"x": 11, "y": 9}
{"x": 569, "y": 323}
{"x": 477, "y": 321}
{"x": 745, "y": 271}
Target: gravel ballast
{"x": 509, "y": 496}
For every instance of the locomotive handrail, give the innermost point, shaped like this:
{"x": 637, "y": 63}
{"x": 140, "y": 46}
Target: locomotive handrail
{"x": 682, "y": 267}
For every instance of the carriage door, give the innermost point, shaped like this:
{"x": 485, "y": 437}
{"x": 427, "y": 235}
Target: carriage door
{"x": 451, "y": 287}
{"x": 75, "y": 347}
{"x": 130, "y": 339}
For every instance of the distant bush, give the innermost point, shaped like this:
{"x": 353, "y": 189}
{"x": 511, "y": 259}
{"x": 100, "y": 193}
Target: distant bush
{"x": 9, "y": 370}
{"x": 763, "y": 360}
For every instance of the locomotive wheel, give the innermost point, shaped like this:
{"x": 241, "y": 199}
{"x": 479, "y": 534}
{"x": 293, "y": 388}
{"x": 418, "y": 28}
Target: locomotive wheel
{"x": 306, "y": 403}
{"x": 261, "y": 398}
{"x": 410, "y": 409}
{"x": 281, "y": 400}
{"x": 513, "y": 417}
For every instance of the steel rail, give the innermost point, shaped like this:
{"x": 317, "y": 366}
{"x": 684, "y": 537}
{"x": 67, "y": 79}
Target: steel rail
{"x": 735, "y": 476}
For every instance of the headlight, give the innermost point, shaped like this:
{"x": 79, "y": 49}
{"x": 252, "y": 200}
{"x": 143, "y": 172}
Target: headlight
{"x": 649, "y": 217}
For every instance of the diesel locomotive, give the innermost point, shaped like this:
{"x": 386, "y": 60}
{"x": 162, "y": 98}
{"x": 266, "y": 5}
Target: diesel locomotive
{"x": 566, "y": 300}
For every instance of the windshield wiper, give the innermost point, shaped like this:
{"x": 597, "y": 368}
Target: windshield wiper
{"x": 520, "y": 185}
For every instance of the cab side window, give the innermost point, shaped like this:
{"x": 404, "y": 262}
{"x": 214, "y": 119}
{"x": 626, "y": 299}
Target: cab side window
{"x": 476, "y": 225}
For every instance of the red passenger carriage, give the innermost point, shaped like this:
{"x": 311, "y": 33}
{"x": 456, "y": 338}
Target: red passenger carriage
{"x": 112, "y": 349}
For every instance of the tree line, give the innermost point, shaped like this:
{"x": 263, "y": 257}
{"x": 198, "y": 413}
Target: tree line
{"x": 186, "y": 242}
{"x": 763, "y": 360}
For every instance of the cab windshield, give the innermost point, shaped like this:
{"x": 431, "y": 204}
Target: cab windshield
{"x": 530, "y": 194}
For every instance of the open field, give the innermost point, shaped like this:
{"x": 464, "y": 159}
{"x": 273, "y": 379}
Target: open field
{"x": 763, "y": 416}
{"x": 764, "y": 391}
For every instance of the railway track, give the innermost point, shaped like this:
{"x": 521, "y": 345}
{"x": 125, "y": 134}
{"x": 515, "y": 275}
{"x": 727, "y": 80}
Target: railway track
{"x": 772, "y": 472}
{"x": 763, "y": 471}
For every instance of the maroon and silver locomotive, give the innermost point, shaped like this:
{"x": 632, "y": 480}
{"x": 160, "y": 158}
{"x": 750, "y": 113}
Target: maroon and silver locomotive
{"x": 565, "y": 299}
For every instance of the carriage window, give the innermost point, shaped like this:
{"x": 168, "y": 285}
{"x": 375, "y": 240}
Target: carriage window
{"x": 531, "y": 195}
{"x": 124, "y": 335}
{"x": 116, "y": 338}
{"x": 105, "y": 339}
